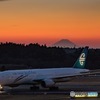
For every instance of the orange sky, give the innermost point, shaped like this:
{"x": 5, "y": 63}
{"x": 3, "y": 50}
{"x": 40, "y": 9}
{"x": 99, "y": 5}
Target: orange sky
{"x": 47, "y": 21}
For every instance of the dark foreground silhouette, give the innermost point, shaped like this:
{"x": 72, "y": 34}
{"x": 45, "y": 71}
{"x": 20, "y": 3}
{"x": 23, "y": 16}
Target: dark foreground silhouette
{"x": 21, "y": 56}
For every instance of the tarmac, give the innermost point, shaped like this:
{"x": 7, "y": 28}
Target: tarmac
{"x": 78, "y": 84}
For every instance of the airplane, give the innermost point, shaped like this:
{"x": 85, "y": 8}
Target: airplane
{"x": 47, "y": 78}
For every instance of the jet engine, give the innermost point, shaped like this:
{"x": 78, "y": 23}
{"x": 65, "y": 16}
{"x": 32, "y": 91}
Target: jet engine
{"x": 47, "y": 83}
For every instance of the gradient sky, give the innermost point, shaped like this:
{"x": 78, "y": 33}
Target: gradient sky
{"x": 47, "y": 21}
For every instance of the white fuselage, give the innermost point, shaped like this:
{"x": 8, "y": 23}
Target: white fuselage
{"x": 29, "y": 76}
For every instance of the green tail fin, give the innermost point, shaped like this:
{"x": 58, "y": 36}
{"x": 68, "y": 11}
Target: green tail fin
{"x": 80, "y": 63}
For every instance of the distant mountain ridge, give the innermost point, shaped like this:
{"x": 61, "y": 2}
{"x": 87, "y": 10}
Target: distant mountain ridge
{"x": 64, "y": 43}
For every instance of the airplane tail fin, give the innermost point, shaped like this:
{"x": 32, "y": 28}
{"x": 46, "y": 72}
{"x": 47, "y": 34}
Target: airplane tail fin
{"x": 80, "y": 63}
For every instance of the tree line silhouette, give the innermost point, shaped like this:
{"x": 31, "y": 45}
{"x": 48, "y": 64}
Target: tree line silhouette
{"x": 21, "y": 56}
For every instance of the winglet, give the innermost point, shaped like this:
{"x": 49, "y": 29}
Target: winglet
{"x": 80, "y": 63}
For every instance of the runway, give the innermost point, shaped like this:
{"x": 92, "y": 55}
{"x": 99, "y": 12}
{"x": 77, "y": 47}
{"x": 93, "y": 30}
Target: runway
{"x": 41, "y": 95}
{"x": 25, "y": 93}
{"x": 83, "y": 84}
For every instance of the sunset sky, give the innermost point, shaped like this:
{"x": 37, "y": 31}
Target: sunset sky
{"x": 47, "y": 21}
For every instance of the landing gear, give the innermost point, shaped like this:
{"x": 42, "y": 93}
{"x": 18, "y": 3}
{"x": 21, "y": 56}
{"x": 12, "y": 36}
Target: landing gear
{"x": 34, "y": 88}
{"x": 53, "y": 88}
{"x": 1, "y": 88}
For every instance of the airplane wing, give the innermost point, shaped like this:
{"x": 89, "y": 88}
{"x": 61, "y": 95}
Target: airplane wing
{"x": 68, "y": 78}
{"x": 91, "y": 72}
